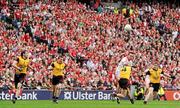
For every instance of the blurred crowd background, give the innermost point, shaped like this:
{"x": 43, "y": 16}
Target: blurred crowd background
{"x": 92, "y": 38}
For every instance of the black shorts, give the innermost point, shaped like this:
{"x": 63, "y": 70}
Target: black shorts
{"x": 155, "y": 86}
{"x": 19, "y": 78}
{"x": 124, "y": 83}
{"x": 57, "y": 79}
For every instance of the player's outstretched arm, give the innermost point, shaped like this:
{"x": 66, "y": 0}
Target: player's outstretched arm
{"x": 167, "y": 75}
{"x": 29, "y": 66}
{"x": 51, "y": 67}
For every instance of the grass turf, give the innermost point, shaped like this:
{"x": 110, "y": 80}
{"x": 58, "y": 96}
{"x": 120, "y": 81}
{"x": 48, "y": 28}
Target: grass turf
{"x": 88, "y": 104}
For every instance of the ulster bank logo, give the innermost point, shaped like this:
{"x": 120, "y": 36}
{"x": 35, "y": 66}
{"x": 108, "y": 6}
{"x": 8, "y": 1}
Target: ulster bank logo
{"x": 67, "y": 95}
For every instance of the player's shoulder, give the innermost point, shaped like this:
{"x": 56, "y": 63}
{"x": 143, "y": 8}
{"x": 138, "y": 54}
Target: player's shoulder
{"x": 18, "y": 58}
{"x": 151, "y": 69}
{"x": 53, "y": 63}
{"x": 28, "y": 60}
{"x": 63, "y": 64}
{"x": 128, "y": 67}
{"x": 160, "y": 69}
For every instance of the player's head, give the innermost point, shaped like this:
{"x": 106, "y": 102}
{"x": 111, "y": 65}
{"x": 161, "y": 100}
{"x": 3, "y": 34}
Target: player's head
{"x": 59, "y": 59}
{"x": 155, "y": 67}
{"x": 24, "y": 54}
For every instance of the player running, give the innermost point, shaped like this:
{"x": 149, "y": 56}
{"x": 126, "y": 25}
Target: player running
{"x": 123, "y": 61}
{"x": 57, "y": 78}
{"x": 154, "y": 76}
{"x": 21, "y": 65}
{"x": 124, "y": 76}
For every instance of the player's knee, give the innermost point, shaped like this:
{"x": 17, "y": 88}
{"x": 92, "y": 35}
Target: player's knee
{"x": 58, "y": 86}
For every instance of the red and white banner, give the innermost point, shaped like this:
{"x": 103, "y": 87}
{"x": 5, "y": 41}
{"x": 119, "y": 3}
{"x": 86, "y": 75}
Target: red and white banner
{"x": 172, "y": 95}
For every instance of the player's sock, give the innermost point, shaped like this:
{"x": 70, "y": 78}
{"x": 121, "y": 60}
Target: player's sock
{"x": 14, "y": 96}
{"x": 55, "y": 100}
{"x": 14, "y": 99}
{"x": 53, "y": 95}
{"x": 118, "y": 100}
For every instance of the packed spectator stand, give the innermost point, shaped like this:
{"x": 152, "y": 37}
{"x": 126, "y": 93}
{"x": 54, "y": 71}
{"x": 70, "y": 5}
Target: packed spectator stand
{"x": 91, "y": 41}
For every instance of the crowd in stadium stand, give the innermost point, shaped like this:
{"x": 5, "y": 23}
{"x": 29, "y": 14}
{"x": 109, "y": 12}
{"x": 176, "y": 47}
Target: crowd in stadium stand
{"x": 92, "y": 42}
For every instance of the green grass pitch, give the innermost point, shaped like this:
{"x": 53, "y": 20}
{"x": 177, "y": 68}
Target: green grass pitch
{"x": 87, "y": 104}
